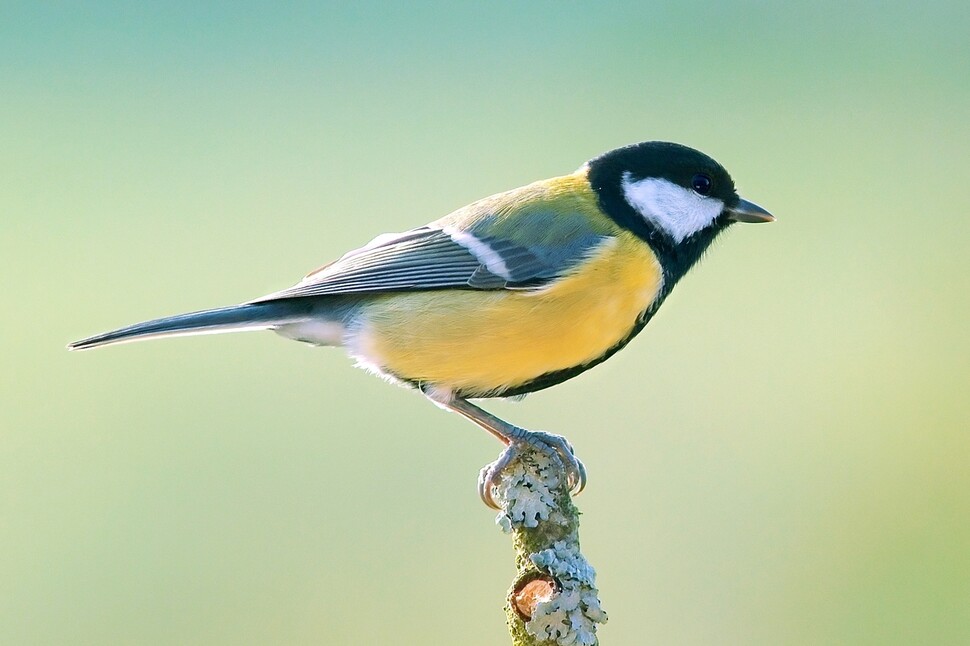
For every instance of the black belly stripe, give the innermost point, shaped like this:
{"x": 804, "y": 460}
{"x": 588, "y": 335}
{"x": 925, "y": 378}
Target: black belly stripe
{"x": 675, "y": 261}
{"x": 556, "y": 377}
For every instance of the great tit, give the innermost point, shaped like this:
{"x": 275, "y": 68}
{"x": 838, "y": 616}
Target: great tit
{"x": 508, "y": 295}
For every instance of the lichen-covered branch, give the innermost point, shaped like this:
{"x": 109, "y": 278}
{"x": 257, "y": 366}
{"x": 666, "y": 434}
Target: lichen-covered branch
{"x": 553, "y": 599}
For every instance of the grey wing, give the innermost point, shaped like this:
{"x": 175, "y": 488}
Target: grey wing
{"x": 431, "y": 258}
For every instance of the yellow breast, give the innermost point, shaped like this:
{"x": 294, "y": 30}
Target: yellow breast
{"x": 486, "y": 341}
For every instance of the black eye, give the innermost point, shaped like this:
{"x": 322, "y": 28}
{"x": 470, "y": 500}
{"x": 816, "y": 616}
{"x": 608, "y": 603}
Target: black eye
{"x": 701, "y": 184}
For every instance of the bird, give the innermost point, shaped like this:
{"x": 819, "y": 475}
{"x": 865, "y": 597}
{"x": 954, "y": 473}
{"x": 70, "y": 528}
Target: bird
{"x": 511, "y": 294}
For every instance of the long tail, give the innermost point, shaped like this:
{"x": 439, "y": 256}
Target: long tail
{"x": 236, "y": 318}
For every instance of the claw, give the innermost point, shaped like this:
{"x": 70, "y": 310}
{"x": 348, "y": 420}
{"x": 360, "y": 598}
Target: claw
{"x": 515, "y": 439}
{"x": 554, "y": 446}
{"x": 491, "y": 474}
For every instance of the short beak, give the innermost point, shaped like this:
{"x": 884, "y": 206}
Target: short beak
{"x": 745, "y": 211}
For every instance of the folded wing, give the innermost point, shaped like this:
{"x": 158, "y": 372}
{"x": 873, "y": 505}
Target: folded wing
{"x": 444, "y": 256}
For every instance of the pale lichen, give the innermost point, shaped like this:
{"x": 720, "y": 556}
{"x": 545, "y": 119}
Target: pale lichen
{"x": 538, "y": 511}
{"x": 526, "y": 492}
{"x": 569, "y": 617}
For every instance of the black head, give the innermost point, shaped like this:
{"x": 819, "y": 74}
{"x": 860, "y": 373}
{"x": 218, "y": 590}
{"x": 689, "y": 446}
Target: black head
{"x": 674, "y": 197}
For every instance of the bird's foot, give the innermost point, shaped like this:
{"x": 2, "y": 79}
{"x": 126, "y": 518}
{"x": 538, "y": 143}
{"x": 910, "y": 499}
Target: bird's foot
{"x": 555, "y": 446}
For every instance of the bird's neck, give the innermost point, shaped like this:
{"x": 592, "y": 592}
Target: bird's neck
{"x": 677, "y": 258}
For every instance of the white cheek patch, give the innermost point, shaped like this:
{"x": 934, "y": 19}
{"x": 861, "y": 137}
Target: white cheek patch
{"x": 677, "y": 210}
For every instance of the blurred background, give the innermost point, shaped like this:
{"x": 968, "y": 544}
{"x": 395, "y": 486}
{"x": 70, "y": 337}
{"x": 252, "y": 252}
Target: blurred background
{"x": 781, "y": 458}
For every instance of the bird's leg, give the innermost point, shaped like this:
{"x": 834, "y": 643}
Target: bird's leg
{"x": 515, "y": 439}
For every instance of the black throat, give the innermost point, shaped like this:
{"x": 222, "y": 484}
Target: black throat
{"x": 676, "y": 258}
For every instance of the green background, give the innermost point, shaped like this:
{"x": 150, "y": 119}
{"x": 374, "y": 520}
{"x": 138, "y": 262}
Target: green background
{"x": 782, "y": 458}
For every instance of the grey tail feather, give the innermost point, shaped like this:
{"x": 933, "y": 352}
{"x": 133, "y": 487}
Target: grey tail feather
{"x": 248, "y": 316}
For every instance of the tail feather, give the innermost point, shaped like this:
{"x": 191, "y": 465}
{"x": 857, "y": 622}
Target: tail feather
{"x": 235, "y": 318}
